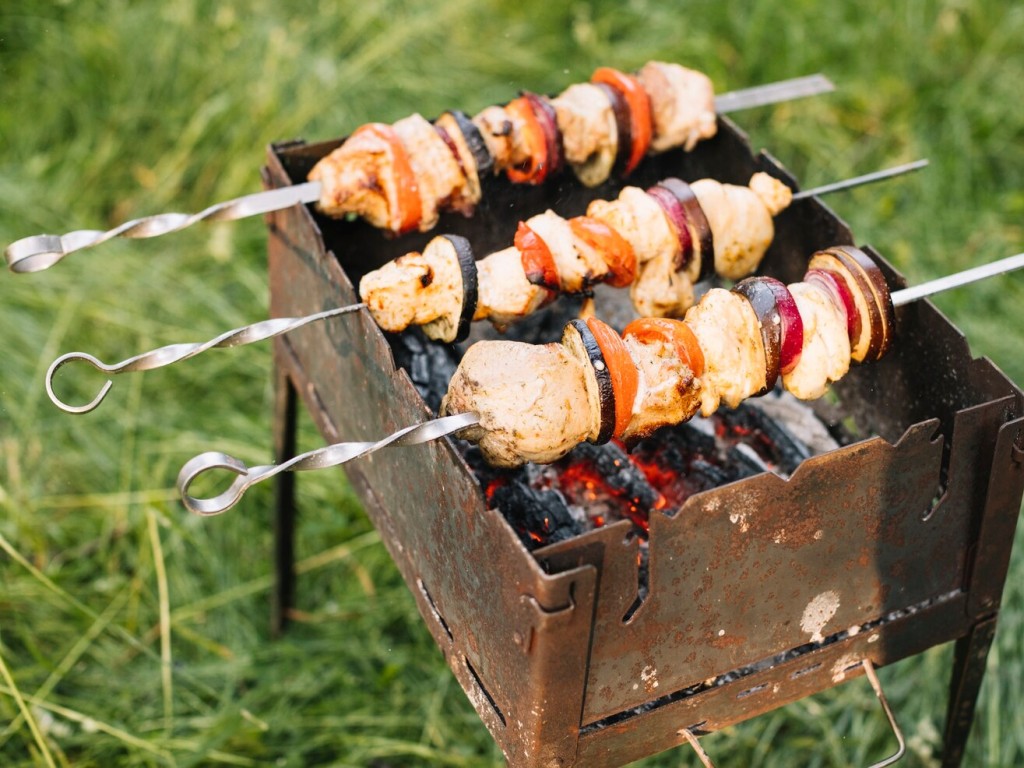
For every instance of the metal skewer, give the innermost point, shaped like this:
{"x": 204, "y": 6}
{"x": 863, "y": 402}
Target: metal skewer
{"x": 329, "y": 456}
{"x": 773, "y": 93}
{"x": 39, "y": 252}
{"x": 957, "y": 279}
{"x": 173, "y": 353}
{"x": 340, "y": 453}
{"x": 857, "y": 181}
{"x": 158, "y": 358}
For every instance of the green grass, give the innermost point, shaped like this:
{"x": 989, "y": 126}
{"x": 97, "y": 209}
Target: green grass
{"x": 132, "y": 633}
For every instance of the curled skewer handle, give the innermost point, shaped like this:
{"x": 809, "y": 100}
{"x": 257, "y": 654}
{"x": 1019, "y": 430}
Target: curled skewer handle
{"x": 330, "y": 456}
{"x": 39, "y": 252}
{"x": 63, "y": 360}
{"x": 174, "y": 353}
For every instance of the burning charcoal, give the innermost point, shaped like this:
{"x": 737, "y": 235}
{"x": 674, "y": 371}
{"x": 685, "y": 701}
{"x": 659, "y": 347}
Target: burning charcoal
{"x": 765, "y": 435}
{"x": 704, "y": 475}
{"x": 680, "y": 461}
{"x": 604, "y": 480}
{"x": 676, "y": 446}
{"x": 539, "y": 515}
{"x": 746, "y": 461}
{"x": 618, "y": 473}
{"x": 430, "y": 364}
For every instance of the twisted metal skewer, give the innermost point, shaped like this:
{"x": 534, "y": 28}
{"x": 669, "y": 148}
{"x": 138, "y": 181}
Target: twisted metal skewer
{"x": 39, "y": 252}
{"x": 330, "y": 456}
{"x": 173, "y": 353}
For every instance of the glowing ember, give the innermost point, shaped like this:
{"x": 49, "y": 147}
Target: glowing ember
{"x": 594, "y": 486}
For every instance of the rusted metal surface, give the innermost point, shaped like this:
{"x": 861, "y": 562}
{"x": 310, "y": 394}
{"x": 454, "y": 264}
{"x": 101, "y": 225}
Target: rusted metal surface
{"x": 773, "y": 589}
{"x": 431, "y": 516}
{"x": 707, "y": 711}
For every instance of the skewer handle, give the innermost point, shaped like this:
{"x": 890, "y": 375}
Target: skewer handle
{"x": 175, "y": 353}
{"x": 39, "y": 252}
{"x": 329, "y": 456}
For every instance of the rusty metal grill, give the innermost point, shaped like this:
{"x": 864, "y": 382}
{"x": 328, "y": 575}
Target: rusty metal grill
{"x": 761, "y": 592}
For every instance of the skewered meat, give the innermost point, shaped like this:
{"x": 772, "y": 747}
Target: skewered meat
{"x": 741, "y": 220}
{"x": 370, "y": 176}
{"x": 525, "y": 416}
{"x": 535, "y": 403}
{"x": 398, "y": 177}
{"x": 724, "y": 322}
{"x": 590, "y": 135}
{"x": 682, "y": 105}
{"x": 440, "y": 180}
{"x": 660, "y": 242}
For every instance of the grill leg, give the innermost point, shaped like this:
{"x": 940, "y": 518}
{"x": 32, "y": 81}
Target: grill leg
{"x": 968, "y": 671}
{"x": 285, "y": 404}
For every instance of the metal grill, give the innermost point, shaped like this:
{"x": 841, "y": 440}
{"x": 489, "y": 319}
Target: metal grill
{"x": 761, "y": 592}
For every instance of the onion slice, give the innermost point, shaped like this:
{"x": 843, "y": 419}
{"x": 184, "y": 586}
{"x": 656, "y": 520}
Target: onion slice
{"x": 792, "y": 325}
{"x": 870, "y": 298}
{"x": 676, "y": 216}
{"x": 842, "y": 295}
{"x": 852, "y": 256}
{"x": 702, "y": 264}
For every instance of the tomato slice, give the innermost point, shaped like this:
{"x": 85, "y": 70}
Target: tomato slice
{"x": 535, "y": 169}
{"x": 621, "y": 368}
{"x": 538, "y": 262}
{"x": 406, "y": 207}
{"x": 674, "y": 332}
{"x": 640, "y": 122}
{"x": 614, "y": 249}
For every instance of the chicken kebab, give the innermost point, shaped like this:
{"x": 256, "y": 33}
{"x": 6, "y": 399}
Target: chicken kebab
{"x": 399, "y": 177}
{"x": 523, "y": 402}
{"x": 660, "y": 242}
{"x": 536, "y": 402}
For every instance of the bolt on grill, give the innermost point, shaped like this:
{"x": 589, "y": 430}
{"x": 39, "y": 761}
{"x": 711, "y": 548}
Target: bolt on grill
{"x": 605, "y": 643}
